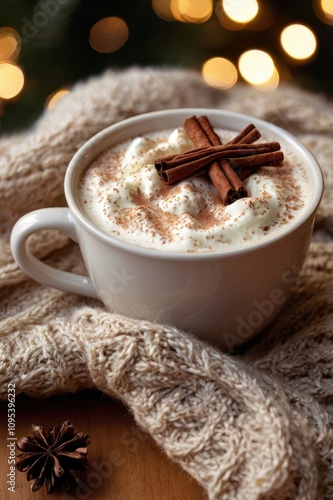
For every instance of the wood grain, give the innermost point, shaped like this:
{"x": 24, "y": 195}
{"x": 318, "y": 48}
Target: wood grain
{"x": 125, "y": 463}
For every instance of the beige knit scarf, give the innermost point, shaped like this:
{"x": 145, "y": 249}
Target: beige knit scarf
{"x": 258, "y": 424}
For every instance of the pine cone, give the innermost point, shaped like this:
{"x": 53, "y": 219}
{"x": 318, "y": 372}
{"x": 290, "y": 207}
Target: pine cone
{"x": 54, "y": 457}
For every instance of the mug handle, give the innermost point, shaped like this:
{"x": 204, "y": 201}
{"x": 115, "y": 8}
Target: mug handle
{"x": 48, "y": 218}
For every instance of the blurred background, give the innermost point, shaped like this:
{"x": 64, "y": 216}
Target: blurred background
{"x": 48, "y": 45}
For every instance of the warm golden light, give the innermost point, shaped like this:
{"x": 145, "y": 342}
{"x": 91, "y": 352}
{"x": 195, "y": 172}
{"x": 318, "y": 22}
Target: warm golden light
{"x": 162, "y": 9}
{"x": 54, "y": 98}
{"x": 11, "y": 80}
{"x": 324, "y": 10}
{"x": 225, "y": 21}
{"x": 108, "y": 34}
{"x": 193, "y": 11}
{"x": 240, "y": 11}
{"x": 327, "y": 6}
{"x": 256, "y": 66}
{"x": 219, "y": 72}
{"x": 271, "y": 84}
{"x": 174, "y": 9}
{"x": 298, "y": 41}
{"x": 9, "y": 44}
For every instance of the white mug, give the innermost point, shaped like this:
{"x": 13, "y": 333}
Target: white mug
{"x": 223, "y": 297}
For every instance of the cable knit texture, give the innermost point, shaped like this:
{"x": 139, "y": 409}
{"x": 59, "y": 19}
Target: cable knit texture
{"x": 253, "y": 425}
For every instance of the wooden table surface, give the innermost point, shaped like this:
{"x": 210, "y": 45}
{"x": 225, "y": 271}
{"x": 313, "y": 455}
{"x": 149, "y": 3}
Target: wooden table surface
{"x": 125, "y": 463}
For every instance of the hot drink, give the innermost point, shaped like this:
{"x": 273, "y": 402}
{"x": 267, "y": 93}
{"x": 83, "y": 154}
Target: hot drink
{"x": 122, "y": 193}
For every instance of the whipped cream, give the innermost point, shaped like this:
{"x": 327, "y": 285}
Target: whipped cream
{"x": 123, "y": 195}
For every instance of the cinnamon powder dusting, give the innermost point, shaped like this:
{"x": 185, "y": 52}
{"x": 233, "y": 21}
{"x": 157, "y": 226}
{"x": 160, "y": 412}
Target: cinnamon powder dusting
{"x": 131, "y": 202}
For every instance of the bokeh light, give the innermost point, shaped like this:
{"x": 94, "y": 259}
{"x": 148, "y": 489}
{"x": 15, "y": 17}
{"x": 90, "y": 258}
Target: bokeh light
{"x": 192, "y": 11}
{"x": 11, "y": 80}
{"x": 55, "y": 97}
{"x": 298, "y": 41}
{"x": 240, "y": 11}
{"x": 211, "y": 36}
{"x": 324, "y": 10}
{"x": 219, "y": 72}
{"x": 327, "y": 6}
{"x": 256, "y": 66}
{"x": 108, "y": 35}
{"x": 162, "y": 9}
{"x": 269, "y": 85}
{"x": 9, "y": 44}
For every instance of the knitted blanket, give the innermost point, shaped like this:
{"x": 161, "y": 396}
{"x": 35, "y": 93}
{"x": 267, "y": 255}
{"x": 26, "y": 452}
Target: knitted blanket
{"x": 247, "y": 425}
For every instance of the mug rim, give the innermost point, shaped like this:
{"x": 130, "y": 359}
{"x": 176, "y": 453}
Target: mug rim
{"x": 84, "y": 152}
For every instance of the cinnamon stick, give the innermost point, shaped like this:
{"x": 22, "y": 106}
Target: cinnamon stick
{"x": 214, "y": 152}
{"x": 182, "y": 171}
{"x": 237, "y": 159}
{"x": 197, "y": 161}
{"x": 215, "y": 140}
{"x": 274, "y": 158}
{"x": 227, "y": 165}
{"x": 173, "y": 155}
{"x": 199, "y": 138}
{"x": 248, "y": 135}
